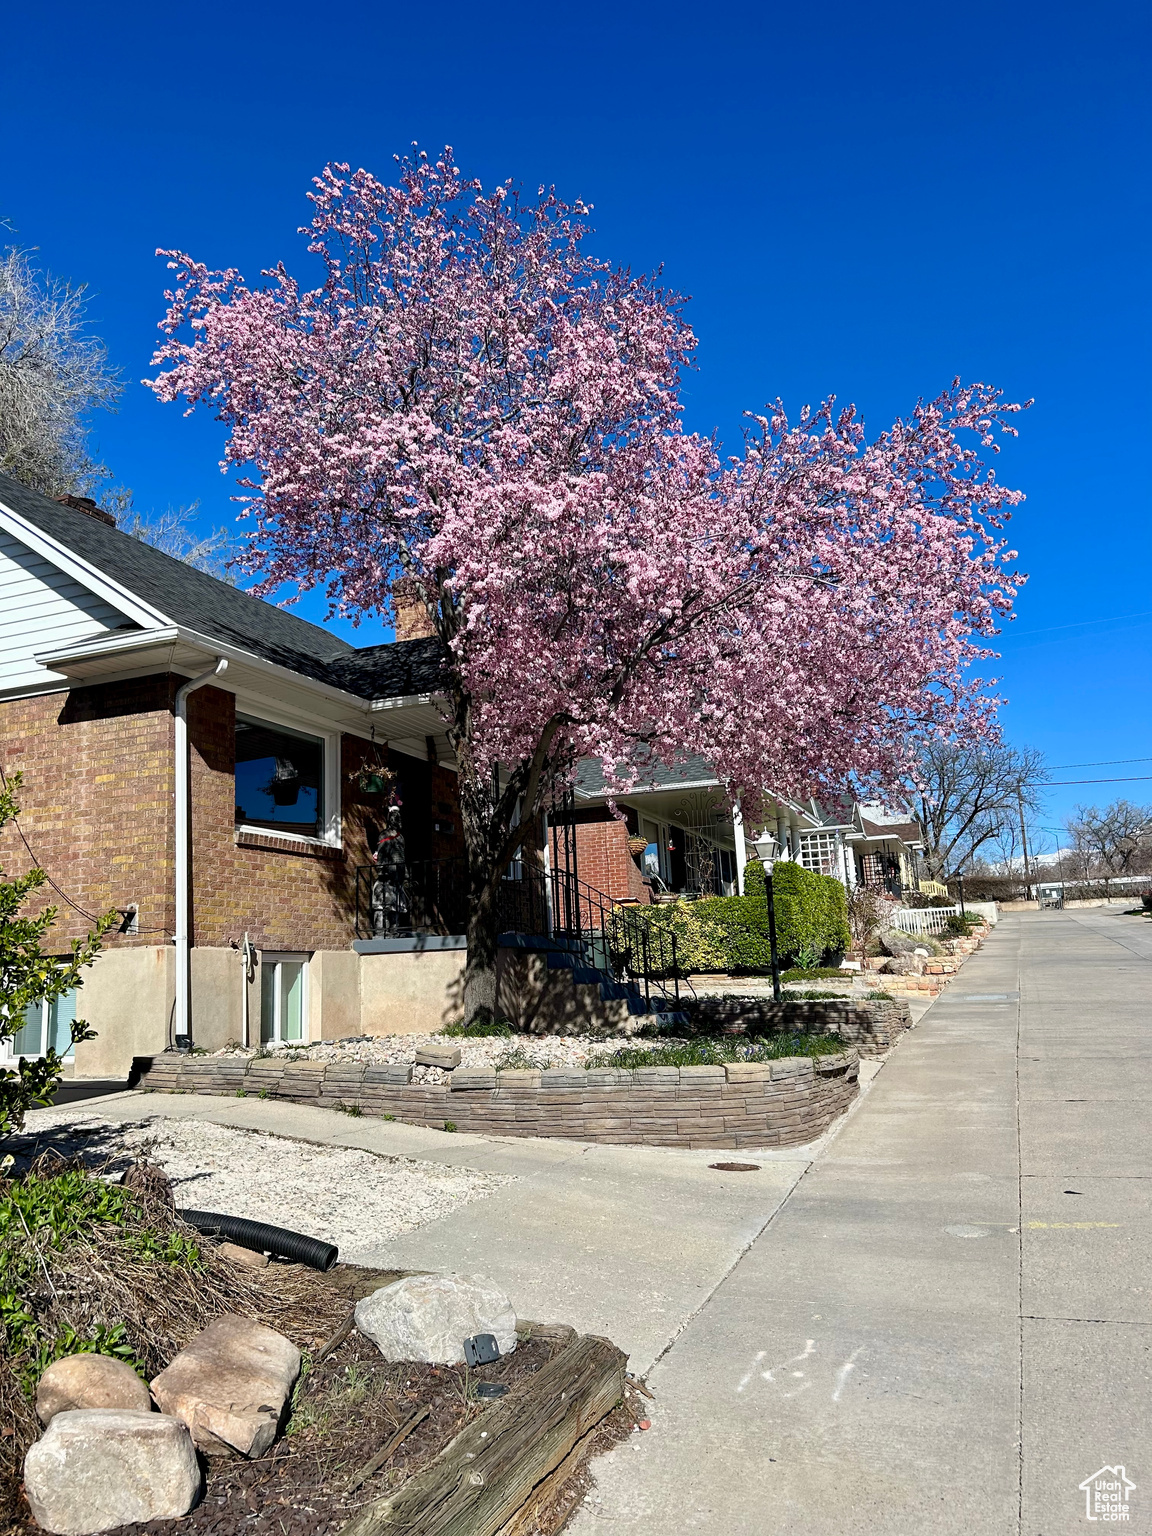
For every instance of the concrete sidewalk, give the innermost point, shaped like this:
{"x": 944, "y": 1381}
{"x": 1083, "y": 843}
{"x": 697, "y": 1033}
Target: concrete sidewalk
{"x": 947, "y": 1326}
{"x": 627, "y": 1242}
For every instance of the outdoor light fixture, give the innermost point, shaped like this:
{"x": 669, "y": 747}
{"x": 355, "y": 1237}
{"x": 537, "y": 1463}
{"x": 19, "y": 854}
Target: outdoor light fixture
{"x": 767, "y": 848}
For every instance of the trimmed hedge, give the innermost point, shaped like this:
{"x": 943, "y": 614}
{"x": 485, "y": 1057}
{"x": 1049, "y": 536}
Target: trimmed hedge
{"x": 730, "y": 933}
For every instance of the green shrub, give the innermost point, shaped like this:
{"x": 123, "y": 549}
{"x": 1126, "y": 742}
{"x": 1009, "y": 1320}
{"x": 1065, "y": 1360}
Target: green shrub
{"x": 730, "y": 933}
{"x": 715, "y": 1053}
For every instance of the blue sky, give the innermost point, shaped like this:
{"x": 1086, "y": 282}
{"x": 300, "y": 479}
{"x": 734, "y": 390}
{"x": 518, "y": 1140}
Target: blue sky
{"x": 862, "y": 200}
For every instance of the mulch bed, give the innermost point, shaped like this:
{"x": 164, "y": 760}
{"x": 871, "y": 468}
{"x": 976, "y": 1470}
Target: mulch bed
{"x": 345, "y": 1410}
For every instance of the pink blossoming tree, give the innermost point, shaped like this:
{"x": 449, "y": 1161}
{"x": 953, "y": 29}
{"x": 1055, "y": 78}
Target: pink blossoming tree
{"x": 473, "y": 402}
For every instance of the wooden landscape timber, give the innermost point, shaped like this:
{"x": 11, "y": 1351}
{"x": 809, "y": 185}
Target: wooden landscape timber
{"x": 483, "y": 1479}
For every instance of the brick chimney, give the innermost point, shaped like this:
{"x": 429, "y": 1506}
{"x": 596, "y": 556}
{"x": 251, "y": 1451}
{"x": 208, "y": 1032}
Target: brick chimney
{"x": 412, "y": 621}
{"x": 86, "y": 505}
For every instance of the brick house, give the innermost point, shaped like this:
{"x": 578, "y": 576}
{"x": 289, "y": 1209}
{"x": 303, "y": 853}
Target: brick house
{"x": 265, "y": 819}
{"x": 688, "y": 837}
{"x": 221, "y": 772}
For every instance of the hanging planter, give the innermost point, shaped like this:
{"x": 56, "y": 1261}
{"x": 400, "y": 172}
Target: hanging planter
{"x": 285, "y": 782}
{"x": 373, "y": 779}
{"x": 636, "y": 846}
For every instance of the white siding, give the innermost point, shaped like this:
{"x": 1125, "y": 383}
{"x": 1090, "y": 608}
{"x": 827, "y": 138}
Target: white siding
{"x": 41, "y": 608}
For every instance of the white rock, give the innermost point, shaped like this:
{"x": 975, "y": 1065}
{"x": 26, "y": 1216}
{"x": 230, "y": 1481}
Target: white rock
{"x": 89, "y": 1381}
{"x": 230, "y": 1385}
{"x": 97, "y": 1468}
{"x": 428, "y": 1317}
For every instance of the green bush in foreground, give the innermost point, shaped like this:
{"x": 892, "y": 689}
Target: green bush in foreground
{"x": 718, "y": 1053}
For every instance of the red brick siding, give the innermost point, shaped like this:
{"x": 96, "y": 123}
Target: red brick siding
{"x": 286, "y": 895}
{"x": 603, "y": 858}
{"x": 97, "y": 801}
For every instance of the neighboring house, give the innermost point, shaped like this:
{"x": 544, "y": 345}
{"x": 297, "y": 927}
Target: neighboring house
{"x": 886, "y": 846}
{"x": 694, "y": 837}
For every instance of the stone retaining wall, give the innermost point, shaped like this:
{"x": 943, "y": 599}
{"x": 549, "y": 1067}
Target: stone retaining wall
{"x": 746, "y": 1104}
{"x": 872, "y": 1025}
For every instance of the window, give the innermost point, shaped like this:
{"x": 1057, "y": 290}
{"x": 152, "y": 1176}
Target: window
{"x": 279, "y": 778}
{"x": 283, "y": 997}
{"x": 47, "y": 1026}
{"x": 818, "y": 852}
{"x": 650, "y": 862}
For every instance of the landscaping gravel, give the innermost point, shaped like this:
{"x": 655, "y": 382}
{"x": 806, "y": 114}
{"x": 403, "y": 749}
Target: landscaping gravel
{"x": 354, "y": 1199}
{"x": 381, "y": 1050}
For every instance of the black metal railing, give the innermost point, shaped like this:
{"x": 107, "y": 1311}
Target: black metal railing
{"x": 552, "y": 906}
{"x": 425, "y": 896}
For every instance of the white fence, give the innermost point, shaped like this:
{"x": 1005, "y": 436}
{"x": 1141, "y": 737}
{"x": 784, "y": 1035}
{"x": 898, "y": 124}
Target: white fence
{"x": 934, "y": 920}
{"x": 924, "y": 920}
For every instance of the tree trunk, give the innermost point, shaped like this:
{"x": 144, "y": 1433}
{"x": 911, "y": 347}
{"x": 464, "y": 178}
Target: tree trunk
{"x": 480, "y": 970}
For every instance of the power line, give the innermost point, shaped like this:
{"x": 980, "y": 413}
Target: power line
{"x": 1051, "y": 629}
{"x": 1140, "y": 778}
{"x": 1109, "y": 762}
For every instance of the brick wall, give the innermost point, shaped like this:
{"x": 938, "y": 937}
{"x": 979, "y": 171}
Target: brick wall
{"x": 97, "y": 801}
{"x": 98, "y": 813}
{"x": 286, "y": 894}
{"x": 602, "y": 854}
{"x": 748, "y": 1104}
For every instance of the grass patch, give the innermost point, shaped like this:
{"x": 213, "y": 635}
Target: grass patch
{"x": 816, "y": 973}
{"x": 813, "y": 995}
{"x": 482, "y": 1030}
{"x": 718, "y": 1053}
{"x": 516, "y": 1060}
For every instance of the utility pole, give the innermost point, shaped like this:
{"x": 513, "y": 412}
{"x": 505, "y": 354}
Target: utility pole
{"x": 1024, "y": 839}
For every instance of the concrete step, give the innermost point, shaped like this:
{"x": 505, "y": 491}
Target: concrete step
{"x": 586, "y": 976}
{"x": 562, "y": 960}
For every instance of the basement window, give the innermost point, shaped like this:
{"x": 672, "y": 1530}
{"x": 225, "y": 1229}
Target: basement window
{"x": 47, "y": 1026}
{"x": 279, "y": 778}
{"x": 283, "y": 998}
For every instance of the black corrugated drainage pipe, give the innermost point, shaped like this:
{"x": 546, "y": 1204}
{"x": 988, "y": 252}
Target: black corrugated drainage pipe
{"x": 262, "y": 1238}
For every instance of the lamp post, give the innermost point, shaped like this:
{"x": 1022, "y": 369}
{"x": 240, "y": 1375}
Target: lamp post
{"x": 766, "y": 847}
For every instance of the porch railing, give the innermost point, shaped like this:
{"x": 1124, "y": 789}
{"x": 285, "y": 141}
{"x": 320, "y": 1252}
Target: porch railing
{"x": 924, "y": 920}
{"x": 552, "y": 906}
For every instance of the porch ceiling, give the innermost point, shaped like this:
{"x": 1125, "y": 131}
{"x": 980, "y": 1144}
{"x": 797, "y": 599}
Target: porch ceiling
{"x": 680, "y": 809}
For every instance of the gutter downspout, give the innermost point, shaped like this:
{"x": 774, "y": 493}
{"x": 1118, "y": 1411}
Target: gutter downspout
{"x": 182, "y": 1025}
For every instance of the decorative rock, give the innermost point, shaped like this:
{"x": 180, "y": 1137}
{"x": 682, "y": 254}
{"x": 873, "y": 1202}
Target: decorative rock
{"x": 894, "y": 942}
{"x": 230, "y": 1385}
{"x": 428, "y": 1317}
{"x": 902, "y": 965}
{"x": 438, "y": 1056}
{"x": 97, "y": 1468}
{"x": 89, "y": 1381}
{"x": 246, "y": 1256}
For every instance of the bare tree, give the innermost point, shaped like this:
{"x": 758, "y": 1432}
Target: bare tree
{"x": 971, "y": 801}
{"x": 175, "y": 532}
{"x": 1114, "y": 841}
{"x": 53, "y": 375}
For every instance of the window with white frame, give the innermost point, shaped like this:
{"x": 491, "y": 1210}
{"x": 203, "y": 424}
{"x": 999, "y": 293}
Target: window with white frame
{"x": 287, "y": 780}
{"x": 47, "y": 1026}
{"x": 818, "y": 852}
{"x": 283, "y": 998}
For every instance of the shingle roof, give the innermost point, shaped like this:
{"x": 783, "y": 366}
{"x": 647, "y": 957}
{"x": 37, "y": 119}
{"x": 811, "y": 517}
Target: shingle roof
{"x": 392, "y": 671}
{"x": 590, "y": 781}
{"x": 201, "y": 602}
